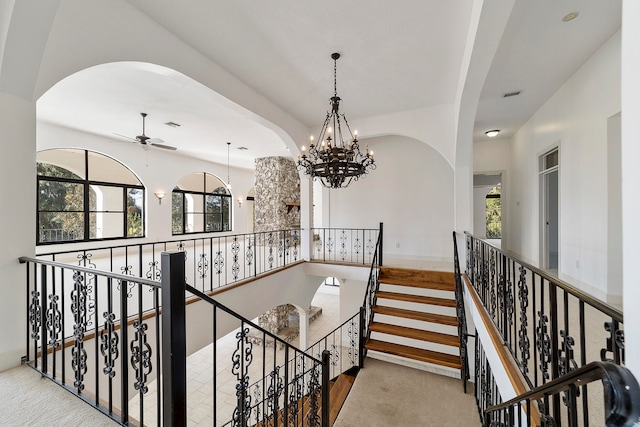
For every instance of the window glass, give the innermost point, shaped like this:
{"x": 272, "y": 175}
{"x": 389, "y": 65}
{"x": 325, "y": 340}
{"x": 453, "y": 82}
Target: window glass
{"x": 203, "y": 207}
{"x": 72, "y": 208}
{"x": 71, "y": 160}
{"x": 105, "y": 169}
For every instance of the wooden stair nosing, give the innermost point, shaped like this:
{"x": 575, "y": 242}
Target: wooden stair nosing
{"x": 416, "y": 315}
{"x": 397, "y": 296}
{"x": 421, "y": 355}
{"x": 421, "y": 275}
{"x": 416, "y": 334}
{"x": 436, "y": 286}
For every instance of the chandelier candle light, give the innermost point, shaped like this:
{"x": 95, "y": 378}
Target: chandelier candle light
{"x": 335, "y": 162}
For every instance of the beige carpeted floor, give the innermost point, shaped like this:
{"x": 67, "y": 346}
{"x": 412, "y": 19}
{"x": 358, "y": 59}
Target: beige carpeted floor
{"x": 27, "y": 399}
{"x": 389, "y": 395}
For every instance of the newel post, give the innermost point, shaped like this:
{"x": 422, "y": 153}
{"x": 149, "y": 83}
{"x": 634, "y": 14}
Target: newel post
{"x": 325, "y": 388}
{"x": 174, "y": 348}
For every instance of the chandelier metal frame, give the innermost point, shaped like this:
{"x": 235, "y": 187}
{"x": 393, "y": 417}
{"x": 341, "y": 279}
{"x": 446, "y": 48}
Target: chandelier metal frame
{"x": 333, "y": 161}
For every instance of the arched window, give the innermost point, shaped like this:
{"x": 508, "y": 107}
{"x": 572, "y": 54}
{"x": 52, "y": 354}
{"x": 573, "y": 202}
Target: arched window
{"x": 201, "y": 203}
{"x": 84, "y": 195}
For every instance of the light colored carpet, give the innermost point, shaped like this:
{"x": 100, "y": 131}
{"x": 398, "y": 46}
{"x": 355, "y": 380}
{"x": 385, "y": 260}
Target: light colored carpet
{"x": 27, "y": 399}
{"x": 387, "y": 394}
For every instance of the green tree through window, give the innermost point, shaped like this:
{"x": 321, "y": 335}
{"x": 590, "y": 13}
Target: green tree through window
{"x": 494, "y": 213}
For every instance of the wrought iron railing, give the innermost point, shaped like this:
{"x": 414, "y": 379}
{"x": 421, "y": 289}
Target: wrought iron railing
{"x": 344, "y": 345}
{"x": 348, "y": 245}
{"x": 77, "y": 335}
{"x": 461, "y": 315}
{"x": 549, "y": 327}
{"x": 373, "y": 284}
{"x": 137, "y": 374}
{"x": 292, "y": 387}
{"x": 211, "y": 262}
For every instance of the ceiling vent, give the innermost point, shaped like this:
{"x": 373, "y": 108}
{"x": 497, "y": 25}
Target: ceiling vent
{"x": 509, "y": 94}
{"x": 242, "y": 148}
{"x": 173, "y": 124}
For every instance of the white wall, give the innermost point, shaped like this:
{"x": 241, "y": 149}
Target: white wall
{"x": 411, "y": 192}
{"x": 158, "y": 170}
{"x": 575, "y": 117}
{"x": 630, "y": 179}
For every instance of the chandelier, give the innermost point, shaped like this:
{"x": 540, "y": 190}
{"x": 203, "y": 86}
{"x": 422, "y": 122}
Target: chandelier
{"x": 332, "y": 160}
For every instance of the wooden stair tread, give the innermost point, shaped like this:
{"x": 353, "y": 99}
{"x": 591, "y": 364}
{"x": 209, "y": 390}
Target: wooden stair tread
{"x": 423, "y": 284}
{"x": 417, "y": 334}
{"x": 416, "y": 315}
{"x": 422, "y": 275}
{"x": 427, "y": 356}
{"x": 338, "y": 395}
{"x": 443, "y": 302}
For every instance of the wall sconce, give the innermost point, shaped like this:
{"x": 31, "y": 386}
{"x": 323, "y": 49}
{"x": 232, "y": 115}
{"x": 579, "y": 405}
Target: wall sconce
{"x": 240, "y": 202}
{"x": 160, "y": 195}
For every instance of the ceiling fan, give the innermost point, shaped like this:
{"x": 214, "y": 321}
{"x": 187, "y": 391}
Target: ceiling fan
{"x": 147, "y": 141}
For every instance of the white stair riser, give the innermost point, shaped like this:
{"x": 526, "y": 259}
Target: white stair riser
{"x": 416, "y": 324}
{"x": 416, "y": 306}
{"x": 416, "y": 291}
{"x": 424, "y": 345}
{"x": 415, "y": 364}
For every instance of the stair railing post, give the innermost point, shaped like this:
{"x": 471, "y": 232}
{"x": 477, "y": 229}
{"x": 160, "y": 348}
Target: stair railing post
{"x": 362, "y": 338}
{"x": 174, "y": 348}
{"x": 325, "y": 388}
{"x": 380, "y": 247}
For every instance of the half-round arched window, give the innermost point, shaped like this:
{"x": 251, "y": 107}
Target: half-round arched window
{"x": 200, "y": 203}
{"x": 84, "y": 195}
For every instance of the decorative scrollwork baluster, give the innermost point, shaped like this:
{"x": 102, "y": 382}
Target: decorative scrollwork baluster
{"x": 270, "y": 243}
{"x": 329, "y": 245}
{"x": 79, "y": 310}
{"x": 141, "y": 356}
{"x": 54, "y": 321}
{"x": 370, "y": 246}
{"x": 249, "y": 255}
{"x": 218, "y": 263}
{"x": 353, "y": 333}
{"x": 274, "y": 391}
{"x": 543, "y": 344}
{"x": 616, "y": 336}
{"x": 235, "y": 249}
{"x": 566, "y": 362}
{"x": 203, "y": 266}
{"x": 241, "y": 359}
{"x": 523, "y": 336}
{"x": 109, "y": 341}
{"x": 313, "y": 418}
{"x": 84, "y": 260}
{"x": 35, "y": 315}
{"x": 343, "y": 245}
{"x": 154, "y": 272}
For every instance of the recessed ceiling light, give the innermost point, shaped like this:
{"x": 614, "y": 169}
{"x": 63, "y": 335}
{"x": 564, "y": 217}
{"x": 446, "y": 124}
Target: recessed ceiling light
{"x": 570, "y": 16}
{"x": 492, "y": 133}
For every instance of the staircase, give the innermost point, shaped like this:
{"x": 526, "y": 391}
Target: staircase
{"x": 338, "y": 390}
{"x": 415, "y": 320}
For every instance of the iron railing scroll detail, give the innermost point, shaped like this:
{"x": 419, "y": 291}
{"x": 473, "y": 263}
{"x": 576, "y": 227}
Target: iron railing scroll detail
{"x": 619, "y": 386}
{"x": 210, "y": 262}
{"x": 346, "y": 245}
{"x": 551, "y": 328}
{"x": 96, "y": 334}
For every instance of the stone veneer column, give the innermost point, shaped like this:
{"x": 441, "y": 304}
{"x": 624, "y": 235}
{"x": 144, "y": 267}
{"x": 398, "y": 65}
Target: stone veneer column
{"x": 277, "y": 184}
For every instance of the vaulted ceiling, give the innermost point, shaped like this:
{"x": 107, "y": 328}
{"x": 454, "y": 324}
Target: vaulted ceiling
{"x": 396, "y": 56}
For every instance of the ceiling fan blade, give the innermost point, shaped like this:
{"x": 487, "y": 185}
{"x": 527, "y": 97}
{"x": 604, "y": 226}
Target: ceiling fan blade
{"x": 127, "y": 137}
{"x": 154, "y": 141}
{"x": 166, "y": 147}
